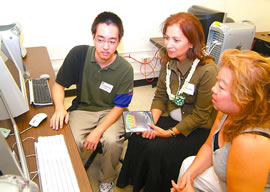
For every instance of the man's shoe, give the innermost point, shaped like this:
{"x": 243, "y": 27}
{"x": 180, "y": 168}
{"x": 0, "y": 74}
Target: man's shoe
{"x": 105, "y": 187}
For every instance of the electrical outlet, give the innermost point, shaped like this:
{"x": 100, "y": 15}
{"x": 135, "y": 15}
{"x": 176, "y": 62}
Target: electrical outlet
{"x": 146, "y": 59}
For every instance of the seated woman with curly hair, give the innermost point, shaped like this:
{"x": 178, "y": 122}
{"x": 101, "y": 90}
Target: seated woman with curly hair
{"x": 236, "y": 155}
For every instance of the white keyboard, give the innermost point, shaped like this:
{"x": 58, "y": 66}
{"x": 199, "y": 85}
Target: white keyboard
{"x": 54, "y": 165}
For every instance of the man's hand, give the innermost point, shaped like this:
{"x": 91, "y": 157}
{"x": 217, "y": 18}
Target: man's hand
{"x": 59, "y": 117}
{"x": 91, "y": 141}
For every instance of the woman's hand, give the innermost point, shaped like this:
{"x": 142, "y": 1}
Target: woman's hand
{"x": 182, "y": 186}
{"x": 155, "y": 132}
{"x": 159, "y": 132}
{"x": 149, "y": 134}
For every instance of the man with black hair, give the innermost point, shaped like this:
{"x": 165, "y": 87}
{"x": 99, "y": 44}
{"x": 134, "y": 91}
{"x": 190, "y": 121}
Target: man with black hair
{"x": 104, "y": 85}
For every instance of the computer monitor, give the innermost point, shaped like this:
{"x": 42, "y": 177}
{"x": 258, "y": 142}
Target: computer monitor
{"x": 10, "y": 164}
{"x": 11, "y": 43}
{"x": 12, "y": 85}
{"x": 207, "y": 17}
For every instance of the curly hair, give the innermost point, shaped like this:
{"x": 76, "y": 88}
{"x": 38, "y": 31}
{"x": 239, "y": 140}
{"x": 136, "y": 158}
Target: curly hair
{"x": 192, "y": 29}
{"x": 250, "y": 90}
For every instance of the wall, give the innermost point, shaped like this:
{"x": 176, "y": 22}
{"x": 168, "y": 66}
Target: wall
{"x": 61, "y": 24}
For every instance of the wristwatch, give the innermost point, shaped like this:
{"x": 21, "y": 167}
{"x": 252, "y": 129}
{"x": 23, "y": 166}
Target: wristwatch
{"x": 172, "y": 133}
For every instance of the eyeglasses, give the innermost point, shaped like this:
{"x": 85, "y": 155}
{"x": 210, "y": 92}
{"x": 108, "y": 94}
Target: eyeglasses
{"x": 103, "y": 41}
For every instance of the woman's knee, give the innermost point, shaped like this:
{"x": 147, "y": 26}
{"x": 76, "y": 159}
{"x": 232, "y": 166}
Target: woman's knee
{"x": 185, "y": 165}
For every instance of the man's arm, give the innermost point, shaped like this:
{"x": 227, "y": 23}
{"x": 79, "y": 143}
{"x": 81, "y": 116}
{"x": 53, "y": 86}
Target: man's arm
{"x": 93, "y": 138}
{"x": 60, "y": 114}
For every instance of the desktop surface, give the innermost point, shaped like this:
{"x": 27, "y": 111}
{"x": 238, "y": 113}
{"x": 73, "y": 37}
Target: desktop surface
{"x": 157, "y": 41}
{"x": 262, "y": 43}
{"x": 38, "y": 62}
{"x": 265, "y": 36}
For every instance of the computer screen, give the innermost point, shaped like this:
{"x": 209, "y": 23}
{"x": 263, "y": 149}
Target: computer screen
{"x": 10, "y": 35}
{"x": 10, "y": 162}
{"x": 12, "y": 85}
{"x": 207, "y": 16}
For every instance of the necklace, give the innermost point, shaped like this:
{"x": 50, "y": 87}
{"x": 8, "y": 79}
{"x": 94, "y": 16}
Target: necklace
{"x": 179, "y": 98}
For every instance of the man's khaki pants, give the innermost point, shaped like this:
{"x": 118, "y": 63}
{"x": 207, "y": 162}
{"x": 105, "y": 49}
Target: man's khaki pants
{"x": 82, "y": 123}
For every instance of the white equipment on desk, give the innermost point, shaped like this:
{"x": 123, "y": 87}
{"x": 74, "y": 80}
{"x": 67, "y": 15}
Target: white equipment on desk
{"x": 54, "y": 165}
{"x": 224, "y": 36}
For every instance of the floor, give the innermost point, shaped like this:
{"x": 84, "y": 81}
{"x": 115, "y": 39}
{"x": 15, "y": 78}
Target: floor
{"x": 141, "y": 101}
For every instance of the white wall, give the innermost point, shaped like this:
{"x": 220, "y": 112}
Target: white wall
{"x": 61, "y": 24}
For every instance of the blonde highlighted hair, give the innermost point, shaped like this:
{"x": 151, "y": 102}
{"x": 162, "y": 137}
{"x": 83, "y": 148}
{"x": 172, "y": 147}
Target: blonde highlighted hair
{"x": 250, "y": 90}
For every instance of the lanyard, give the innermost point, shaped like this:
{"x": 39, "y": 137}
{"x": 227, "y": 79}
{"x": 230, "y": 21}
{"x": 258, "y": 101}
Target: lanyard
{"x": 179, "y": 97}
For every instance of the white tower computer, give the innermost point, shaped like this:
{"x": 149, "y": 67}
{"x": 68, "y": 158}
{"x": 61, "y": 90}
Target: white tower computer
{"x": 223, "y": 36}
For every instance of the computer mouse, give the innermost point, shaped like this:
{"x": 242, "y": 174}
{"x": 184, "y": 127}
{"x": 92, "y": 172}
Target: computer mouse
{"x": 37, "y": 119}
{"x": 44, "y": 76}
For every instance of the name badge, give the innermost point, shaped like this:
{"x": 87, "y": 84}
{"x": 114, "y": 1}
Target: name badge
{"x": 189, "y": 89}
{"x": 106, "y": 87}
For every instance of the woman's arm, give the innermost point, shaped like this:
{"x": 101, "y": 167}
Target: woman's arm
{"x": 160, "y": 100}
{"x": 248, "y": 163}
{"x": 203, "y": 108}
{"x": 156, "y": 114}
{"x": 203, "y": 104}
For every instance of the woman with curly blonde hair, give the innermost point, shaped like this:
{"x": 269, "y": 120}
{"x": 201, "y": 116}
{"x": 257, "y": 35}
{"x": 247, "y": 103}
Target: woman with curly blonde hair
{"x": 236, "y": 155}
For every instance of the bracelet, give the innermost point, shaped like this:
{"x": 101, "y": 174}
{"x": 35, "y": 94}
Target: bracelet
{"x": 172, "y": 133}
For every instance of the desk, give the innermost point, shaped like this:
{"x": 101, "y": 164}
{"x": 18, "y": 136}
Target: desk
{"x": 262, "y": 43}
{"x": 263, "y": 36}
{"x": 158, "y": 41}
{"x": 38, "y": 62}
